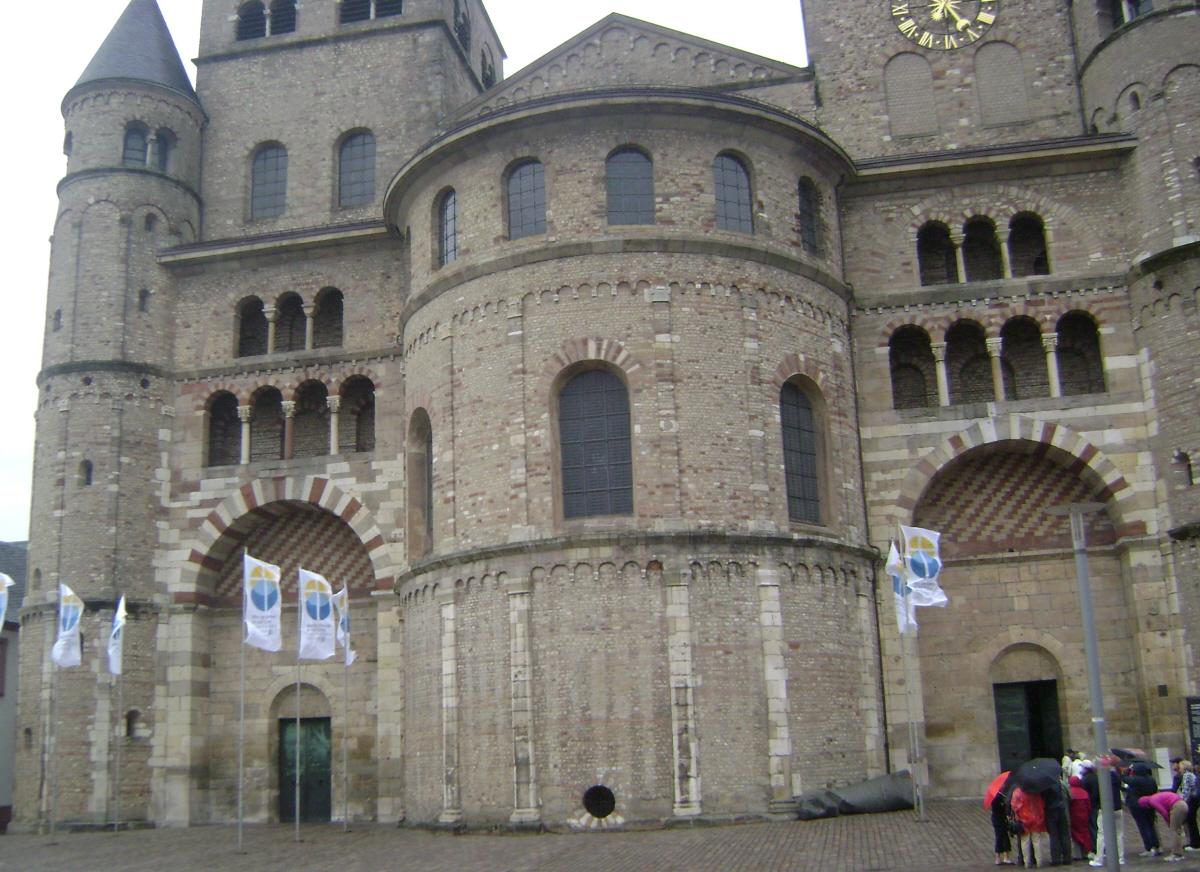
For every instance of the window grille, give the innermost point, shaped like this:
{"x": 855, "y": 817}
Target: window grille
{"x": 597, "y": 465}
{"x": 800, "y": 455}
{"x": 448, "y": 229}
{"x": 355, "y": 10}
{"x": 356, "y": 170}
{"x": 283, "y": 17}
{"x": 630, "y": 176}
{"x": 732, "y": 186}
{"x": 526, "y": 200}
{"x": 252, "y": 21}
{"x": 268, "y": 190}
{"x": 136, "y": 139}
{"x": 809, "y": 213}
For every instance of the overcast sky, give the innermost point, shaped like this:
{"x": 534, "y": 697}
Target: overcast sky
{"x": 47, "y": 51}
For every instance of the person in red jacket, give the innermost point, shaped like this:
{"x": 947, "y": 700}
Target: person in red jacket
{"x": 1030, "y": 812}
{"x": 1173, "y": 809}
{"x": 1081, "y": 810}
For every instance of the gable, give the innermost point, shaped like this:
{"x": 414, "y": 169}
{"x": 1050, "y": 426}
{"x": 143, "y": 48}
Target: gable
{"x": 622, "y": 51}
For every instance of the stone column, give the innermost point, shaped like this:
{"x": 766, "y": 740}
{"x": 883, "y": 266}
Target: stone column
{"x": 451, "y": 800}
{"x": 334, "y": 404}
{"x": 1005, "y": 265}
{"x": 244, "y": 417}
{"x": 289, "y": 420}
{"x": 152, "y": 150}
{"x": 271, "y": 314}
{"x": 943, "y": 381}
{"x": 1050, "y": 345}
{"x": 685, "y": 750}
{"x": 959, "y": 261}
{"x": 308, "y": 309}
{"x": 993, "y": 349}
{"x": 775, "y": 674}
{"x": 526, "y": 807}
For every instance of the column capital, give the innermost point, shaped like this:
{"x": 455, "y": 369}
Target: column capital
{"x": 956, "y": 238}
{"x": 308, "y": 309}
{"x": 244, "y": 413}
{"x": 1049, "y": 341}
{"x": 939, "y": 351}
{"x": 289, "y": 408}
{"x": 994, "y": 346}
{"x": 271, "y": 313}
{"x": 334, "y": 403}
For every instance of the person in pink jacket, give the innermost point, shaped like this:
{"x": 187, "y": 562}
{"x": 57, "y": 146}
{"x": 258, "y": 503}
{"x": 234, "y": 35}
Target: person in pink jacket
{"x": 1173, "y": 809}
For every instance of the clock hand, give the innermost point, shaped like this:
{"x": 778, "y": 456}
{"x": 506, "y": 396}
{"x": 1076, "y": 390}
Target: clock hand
{"x": 960, "y": 23}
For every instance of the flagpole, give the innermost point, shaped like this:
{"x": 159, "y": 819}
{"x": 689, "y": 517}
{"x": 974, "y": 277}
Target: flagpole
{"x": 345, "y": 731}
{"x": 296, "y": 815}
{"x": 241, "y": 709}
{"x": 120, "y": 739}
{"x": 52, "y": 744}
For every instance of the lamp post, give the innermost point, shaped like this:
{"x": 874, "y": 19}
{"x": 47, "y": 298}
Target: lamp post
{"x": 1076, "y": 512}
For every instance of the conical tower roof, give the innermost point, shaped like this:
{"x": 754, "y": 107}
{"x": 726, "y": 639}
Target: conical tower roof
{"x": 140, "y": 48}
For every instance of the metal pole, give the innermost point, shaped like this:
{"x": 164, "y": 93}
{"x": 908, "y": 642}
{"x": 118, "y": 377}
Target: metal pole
{"x": 914, "y": 734}
{"x": 297, "y": 808}
{"x": 52, "y": 744}
{"x": 345, "y": 736}
{"x": 120, "y": 741}
{"x": 241, "y": 739}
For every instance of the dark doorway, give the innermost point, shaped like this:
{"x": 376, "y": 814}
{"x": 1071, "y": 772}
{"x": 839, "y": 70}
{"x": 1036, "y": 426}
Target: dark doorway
{"x": 315, "y": 801}
{"x": 1027, "y": 722}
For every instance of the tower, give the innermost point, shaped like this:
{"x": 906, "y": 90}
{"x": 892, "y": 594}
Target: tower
{"x": 132, "y": 141}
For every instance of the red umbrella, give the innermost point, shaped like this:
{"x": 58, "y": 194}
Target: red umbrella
{"x": 994, "y": 788}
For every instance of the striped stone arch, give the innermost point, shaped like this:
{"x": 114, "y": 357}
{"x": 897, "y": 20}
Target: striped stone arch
{"x": 227, "y": 526}
{"x": 793, "y": 365}
{"x": 611, "y": 351}
{"x": 1073, "y": 451}
{"x": 932, "y": 325}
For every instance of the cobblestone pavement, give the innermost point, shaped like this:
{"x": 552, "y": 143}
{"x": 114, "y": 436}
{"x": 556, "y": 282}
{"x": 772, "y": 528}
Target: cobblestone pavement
{"x": 957, "y": 835}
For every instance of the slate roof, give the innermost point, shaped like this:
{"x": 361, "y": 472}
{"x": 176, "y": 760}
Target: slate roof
{"x": 139, "y": 47}
{"x": 13, "y": 557}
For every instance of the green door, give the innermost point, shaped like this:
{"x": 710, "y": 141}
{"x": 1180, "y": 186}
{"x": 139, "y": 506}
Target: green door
{"x": 1027, "y": 722}
{"x": 315, "y": 800}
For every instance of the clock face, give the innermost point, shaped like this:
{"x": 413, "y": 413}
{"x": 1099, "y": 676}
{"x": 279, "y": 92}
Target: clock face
{"x": 943, "y": 24}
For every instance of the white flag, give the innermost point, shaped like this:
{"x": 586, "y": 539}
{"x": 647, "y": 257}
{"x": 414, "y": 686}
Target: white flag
{"x": 317, "y": 623}
{"x": 341, "y": 601}
{"x": 898, "y": 572}
{"x": 66, "y": 651}
{"x": 922, "y": 553}
{"x": 5, "y": 584}
{"x": 116, "y": 639}
{"x": 262, "y": 604}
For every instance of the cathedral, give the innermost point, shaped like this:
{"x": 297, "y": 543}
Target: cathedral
{"x": 602, "y": 388}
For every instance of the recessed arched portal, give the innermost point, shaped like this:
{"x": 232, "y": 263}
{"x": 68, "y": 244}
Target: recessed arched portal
{"x": 306, "y": 708}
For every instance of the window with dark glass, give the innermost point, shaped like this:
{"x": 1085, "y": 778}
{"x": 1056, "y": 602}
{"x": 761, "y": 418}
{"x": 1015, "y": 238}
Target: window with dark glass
{"x": 800, "y": 455}
{"x": 1027, "y": 245}
{"x": 448, "y": 228}
{"x": 268, "y": 182}
{"x": 355, "y": 10}
{"x": 387, "y": 8}
{"x": 597, "y": 463}
{"x": 808, "y": 208}
{"x": 356, "y": 170}
{"x": 224, "y": 430}
{"x": 630, "y": 177}
{"x": 733, "y": 196}
{"x": 526, "y": 200}
{"x": 981, "y": 250}
{"x": 283, "y": 16}
{"x": 252, "y": 328}
{"x": 85, "y": 473}
{"x": 252, "y": 20}
{"x": 136, "y": 139}
{"x": 164, "y": 144}
{"x": 936, "y": 259}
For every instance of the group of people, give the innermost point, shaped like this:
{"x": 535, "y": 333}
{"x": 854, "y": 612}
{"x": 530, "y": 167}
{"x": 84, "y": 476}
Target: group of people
{"x": 1059, "y": 824}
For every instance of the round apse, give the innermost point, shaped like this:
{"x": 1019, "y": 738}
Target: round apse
{"x": 599, "y": 801}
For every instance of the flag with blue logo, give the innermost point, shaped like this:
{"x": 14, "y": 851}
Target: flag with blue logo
{"x": 922, "y": 555}
{"x": 341, "y": 601}
{"x": 898, "y": 573}
{"x": 262, "y": 604}
{"x": 318, "y": 626}
{"x": 67, "y": 650}
{"x": 116, "y": 638}
{"x": 5, "y": 584}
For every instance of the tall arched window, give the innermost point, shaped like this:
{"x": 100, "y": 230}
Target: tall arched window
{"x": 968, "y": 366}
{"x": 594, "y": 445}
{"x": 981, "y": 250}
{"x": 283, "y": 16}
{"x": 266, "y": 425}
{"x": 808, "y": 217}
{"x": 252, "y": 328}
{"x": 1024, "y": 360}
{"x": 526, "y": 190}
{"x": 356, "y": 426}
{"x": 801, "y": 454}
{"x": 310, "y": 426}
{"x": 164, "y": 147}
{"x": 85, "y": 473}
{"x": 935, "y": 254}
{"x": 137, "y": 136}
{"x": 356, "y": 169}
{"x": 419, "y": 485}
{"x": 447, "y": 218}
{"x": 629, "y": 176}
{"x": 914, "y": 373}
{"x": 290, "y": 323}
{"x": 268, "y": 182}
{"x": 252, "y": 20}
{"x": 1080, "y": 363}
{"x": 224, "y": 430}
{"x": 1027, "y": 246}
{"x": 327, "y": 319}
{"x": 734, "y": 198}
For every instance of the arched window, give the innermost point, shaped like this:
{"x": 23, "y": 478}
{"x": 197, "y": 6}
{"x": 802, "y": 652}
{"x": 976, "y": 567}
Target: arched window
{"x": 354, "y": 10}
{"x": 981, "y": 250}
{"x": 266, "y": 425}
{"x": 283, "y": 16}
{"x": 1000, "y": 84}
{"x": 419, "y": 480}
{"x": 731, "y": 182}
{"x": 462, "y": 25}
{"x": 908, "y": 87}
{"x": 447, "y": 218}
{"x": 290, "y": 323}
{"x": 164, "y": 147}
{"x": 268, "y": 182}
{"x": 144, "y": 300}
{"x": 935, "y": 254}
{"x": 1080, "y": 363}
{"x": 137, "y": 136}
{"x": 914, "y": 373}
{"x": 252, "y": 20}
{"x": 224, "y": 430}
{"x": 1027, "y": 246}
{"x": 594, "y": 444}
{"x": 356, "y": 169}
{"x": 133, "y": 720}
{"x": 327, "y": 319}
{"x": 630, "y": 179}
{"x": 487, "y": 67}
{"x": 1024, "y": 360}
{"x": 356, "y": 425}
{"x": 387, "y": 8}
{"x": 808, "y": 216}
{"x": 85, "y": 473}
{"x": 310, "y": 426}
{"x": 801, "y": 454}
{"x": 968, "y": 366}
{"x": 68, "y": 143}
{"x": 252, "y": 328}
{"x": 526, "y": 200}
{"x": 56, "y": 325}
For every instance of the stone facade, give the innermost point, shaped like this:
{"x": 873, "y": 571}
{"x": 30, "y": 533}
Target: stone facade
{"x": 973, "y": 271}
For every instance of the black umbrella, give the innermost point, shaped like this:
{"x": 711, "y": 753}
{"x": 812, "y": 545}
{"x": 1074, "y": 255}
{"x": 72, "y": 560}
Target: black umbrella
{"x": 1040, "y": 773}
{"x": 1135, "y": 755}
